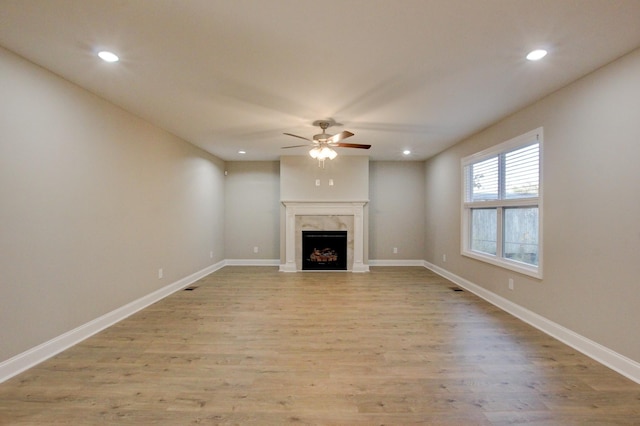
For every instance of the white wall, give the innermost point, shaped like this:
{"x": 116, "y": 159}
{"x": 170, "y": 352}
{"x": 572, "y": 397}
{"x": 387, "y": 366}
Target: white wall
{"x": 591, "y": 208}
{"x": 395, "y": 214}
{"x": 93, "y": 202}
{"x": 350, "y": 175}
{"x": 396, "y": 210}
{"x": 252, "y": 210}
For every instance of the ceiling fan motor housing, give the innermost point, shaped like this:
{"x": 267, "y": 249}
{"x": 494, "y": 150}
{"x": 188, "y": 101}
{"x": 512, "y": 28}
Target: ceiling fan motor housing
{"x": 322, "y": 137}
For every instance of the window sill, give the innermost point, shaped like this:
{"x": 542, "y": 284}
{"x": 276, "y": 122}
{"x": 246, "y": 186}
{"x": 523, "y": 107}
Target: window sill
{"x": 512, "y": 265}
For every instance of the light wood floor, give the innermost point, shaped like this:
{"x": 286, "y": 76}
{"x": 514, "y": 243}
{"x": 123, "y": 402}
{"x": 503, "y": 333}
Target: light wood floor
{"x": 251, "y": 345}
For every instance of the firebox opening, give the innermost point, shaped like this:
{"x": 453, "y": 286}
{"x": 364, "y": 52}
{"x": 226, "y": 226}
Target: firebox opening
{"x": 324, "y": 250}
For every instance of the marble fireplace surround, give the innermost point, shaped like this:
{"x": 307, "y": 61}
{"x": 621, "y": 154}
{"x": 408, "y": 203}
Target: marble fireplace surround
{"x": 308, "y": 215}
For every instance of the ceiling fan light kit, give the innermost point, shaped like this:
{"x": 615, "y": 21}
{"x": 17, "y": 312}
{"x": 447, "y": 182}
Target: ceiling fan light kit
{"x": 323, "y": 143}
{"x": 323, "y": 153}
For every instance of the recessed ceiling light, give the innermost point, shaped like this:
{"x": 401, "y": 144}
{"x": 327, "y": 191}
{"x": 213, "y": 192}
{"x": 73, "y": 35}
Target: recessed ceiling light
{"x": 536, "y": 55}
{"x": 242, "y": 152}
{"x": 107, "y": 56}
{"x": 406, "y": 152}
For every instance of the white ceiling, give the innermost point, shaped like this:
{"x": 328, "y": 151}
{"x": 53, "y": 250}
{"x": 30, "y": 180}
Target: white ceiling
{"x": 235, "y": 74}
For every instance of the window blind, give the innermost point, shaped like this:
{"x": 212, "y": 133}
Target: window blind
{"x": 522, "y": 172}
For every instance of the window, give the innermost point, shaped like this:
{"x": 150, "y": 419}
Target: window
{"x": 501, "y": 206}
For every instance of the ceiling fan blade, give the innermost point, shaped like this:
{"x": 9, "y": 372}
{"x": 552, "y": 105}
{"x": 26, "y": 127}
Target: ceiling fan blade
{"x": 352, "y": 145}
{"x": 296, "y": 136}
{"x": 339, "y": 136}
{"x": 295, "y": 146}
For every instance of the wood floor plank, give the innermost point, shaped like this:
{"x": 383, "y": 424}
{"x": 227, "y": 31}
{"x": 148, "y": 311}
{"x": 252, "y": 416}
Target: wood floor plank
{"x": 251, "y": 345}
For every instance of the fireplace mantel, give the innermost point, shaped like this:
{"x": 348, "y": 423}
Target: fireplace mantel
{"x": 313, "y": 208}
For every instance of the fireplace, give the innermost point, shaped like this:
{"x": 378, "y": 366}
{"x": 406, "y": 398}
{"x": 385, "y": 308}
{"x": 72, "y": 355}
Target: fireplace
{"x": 324, "y": 250}
{"x": 324, "y": 216}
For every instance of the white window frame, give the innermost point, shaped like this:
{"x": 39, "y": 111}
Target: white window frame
{"x": 500, "y": 205}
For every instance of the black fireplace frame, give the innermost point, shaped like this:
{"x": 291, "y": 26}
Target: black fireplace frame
{"x": 324, "y": 250}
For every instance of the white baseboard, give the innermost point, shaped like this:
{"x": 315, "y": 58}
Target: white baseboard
{"x": 21, "y": 362}
{"x": 396, "y": 262}
{"x": 252, "y": 262}
{"x": 617, "y": 362}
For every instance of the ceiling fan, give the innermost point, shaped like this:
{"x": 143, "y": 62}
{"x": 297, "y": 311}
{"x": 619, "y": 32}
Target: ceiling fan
{"x": 323, "y": 143}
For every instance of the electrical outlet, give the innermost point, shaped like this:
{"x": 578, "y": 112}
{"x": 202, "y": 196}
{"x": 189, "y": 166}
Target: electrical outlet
{"x": 510, "y": 283}
{"x": 255, "y": 249}
{"x": 444, "y": 257}
{"x": 317, "y": 182}
{"x": 210, "y": 255}
{"x": 160, "y": 273}
{"x": 395, "y": 250}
